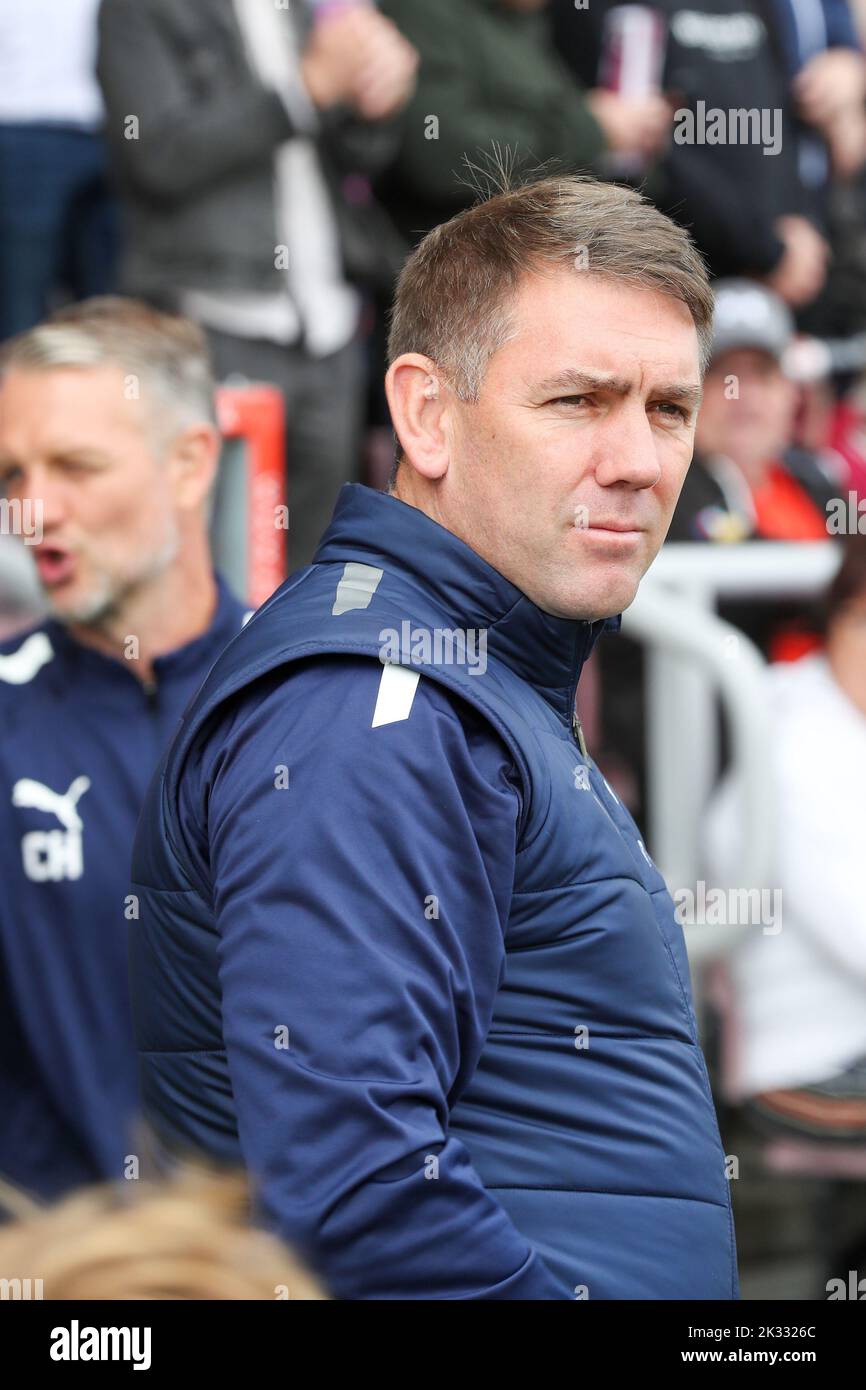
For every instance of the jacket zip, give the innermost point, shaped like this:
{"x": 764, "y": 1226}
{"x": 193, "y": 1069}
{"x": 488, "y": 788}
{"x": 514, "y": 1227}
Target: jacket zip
{"x": 576, "y": 726}
{"x": 577, "y": 732}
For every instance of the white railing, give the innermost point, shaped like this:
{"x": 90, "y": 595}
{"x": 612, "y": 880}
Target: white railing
{"x": 693, "y": 660}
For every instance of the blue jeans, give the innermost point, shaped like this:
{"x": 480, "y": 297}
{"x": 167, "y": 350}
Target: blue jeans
{"x": 58, "y": 221}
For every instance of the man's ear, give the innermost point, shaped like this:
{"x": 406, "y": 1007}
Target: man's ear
{"x": 420, "y": 401}
{"x": 195, "y": 456}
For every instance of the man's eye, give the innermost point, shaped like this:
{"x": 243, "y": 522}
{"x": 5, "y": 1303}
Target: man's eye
{"x": 676, "y": 411}
{"x": 569, "y": 400}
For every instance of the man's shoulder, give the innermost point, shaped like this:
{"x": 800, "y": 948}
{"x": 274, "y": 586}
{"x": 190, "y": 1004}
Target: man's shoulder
{"x": 341, "y": 620}
{"x": 316, "y": 667}
{"x": 353, "y": 718}
{"x": 352, "y": 693}
{"x": 185, "y": 29}
{"x": 166, "y": 12}
{"x": 366, "y": 750}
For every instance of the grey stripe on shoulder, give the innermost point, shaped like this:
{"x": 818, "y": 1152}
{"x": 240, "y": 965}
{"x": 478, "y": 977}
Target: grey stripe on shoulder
{"x": 356, "y": 588}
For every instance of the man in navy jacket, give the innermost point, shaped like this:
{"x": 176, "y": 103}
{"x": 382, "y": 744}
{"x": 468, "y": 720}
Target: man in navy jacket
{"x": 107, "y": 434}
{"x": 401, "y": 949}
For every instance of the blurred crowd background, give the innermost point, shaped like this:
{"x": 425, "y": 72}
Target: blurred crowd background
{"x": 264, "y": 168}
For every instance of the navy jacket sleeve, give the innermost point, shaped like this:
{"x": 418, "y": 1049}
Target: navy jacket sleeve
{"x": 361, "y": 878}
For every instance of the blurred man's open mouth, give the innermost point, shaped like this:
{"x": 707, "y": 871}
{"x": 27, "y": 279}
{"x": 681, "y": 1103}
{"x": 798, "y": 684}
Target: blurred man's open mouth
{"x": 55, "y": 565}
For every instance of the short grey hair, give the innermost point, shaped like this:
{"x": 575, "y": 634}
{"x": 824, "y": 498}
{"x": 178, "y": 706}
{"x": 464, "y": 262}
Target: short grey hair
{"x": 162, "y": 351}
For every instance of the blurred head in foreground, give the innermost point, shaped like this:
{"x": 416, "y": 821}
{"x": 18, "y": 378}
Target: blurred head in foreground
{"x": 186, "y": 1238}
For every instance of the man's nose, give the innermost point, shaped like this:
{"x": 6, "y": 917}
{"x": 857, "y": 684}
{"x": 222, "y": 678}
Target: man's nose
{"x": 625, "y": 449}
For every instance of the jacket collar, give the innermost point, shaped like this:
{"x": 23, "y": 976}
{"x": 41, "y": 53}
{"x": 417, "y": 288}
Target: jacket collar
{"x": 546, "y": 651}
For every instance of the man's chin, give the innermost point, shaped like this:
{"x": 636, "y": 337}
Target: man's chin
{"x": 79, "y": 608}
{"x": 587, "y": 607}
{"x": 88, "y": 598}
{"x": 595, "y": 595}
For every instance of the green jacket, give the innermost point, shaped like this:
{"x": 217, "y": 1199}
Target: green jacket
{"x": 489, "y": 76}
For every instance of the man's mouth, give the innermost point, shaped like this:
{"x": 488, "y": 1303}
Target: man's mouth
{"x": 616, "y": 534}
{"x": 620, "y": 527}
{"x": 614, "y": 539}
{"x": 55, "y": 565}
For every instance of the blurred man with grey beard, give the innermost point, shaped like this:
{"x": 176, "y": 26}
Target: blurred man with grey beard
{"x": 108, "y": 435}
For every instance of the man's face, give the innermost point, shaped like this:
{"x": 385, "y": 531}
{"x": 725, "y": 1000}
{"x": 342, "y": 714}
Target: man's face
{"x": 70, "y": 440}
{"x": 747, "y": 411}
{"x": 565, "y": 473}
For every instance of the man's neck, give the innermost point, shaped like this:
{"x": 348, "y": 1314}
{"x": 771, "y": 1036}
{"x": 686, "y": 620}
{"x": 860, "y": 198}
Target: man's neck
{"x": 422, "y": 496}
{"x": 164, "y": 615}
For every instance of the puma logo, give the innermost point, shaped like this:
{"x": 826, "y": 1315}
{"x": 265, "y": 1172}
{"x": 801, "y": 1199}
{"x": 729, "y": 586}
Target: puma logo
{"x": 52, "y": 855}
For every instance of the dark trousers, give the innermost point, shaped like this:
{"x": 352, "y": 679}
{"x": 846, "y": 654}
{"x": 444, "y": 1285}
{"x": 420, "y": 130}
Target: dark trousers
{"x": 58, "y": 221}
{"x": 325, "y": 400}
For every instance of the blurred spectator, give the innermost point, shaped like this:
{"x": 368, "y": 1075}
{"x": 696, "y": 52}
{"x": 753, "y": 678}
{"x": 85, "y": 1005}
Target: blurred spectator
{"x": 239, "y": 129}
{"x": 57, "y": 217}
{"x": 107, "y": 423}
{"x": 827, "y": 417}
{"x": 743, "y": 200}
{"x": 839, "y": 311}
{"x": 847, "y": 434}
{"x": 745, "y": 481}
{"x": 184, "y": 1238}
{"x": 490, "y": 77}
{"x": 798, "y": 1032}
{"x": 828, "y": 74}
